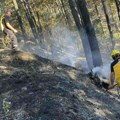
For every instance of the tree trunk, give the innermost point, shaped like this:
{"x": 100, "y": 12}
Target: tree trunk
{"x": 40, "y": 26}
{"x": 97, "y": 60}
{"x": 32, "y": 17}
{"x": 19, "y": 19}
{"x": 117, "y": 2}
{"x": 31, "y": 23}
{"x": 82, "y": 34}
{"x": 113, "y": 20}
{"x": 96, "y": 8}
{"x": 37, "y": 22}
{"x": 65, "y": 13}
{"x": 108, "y": 23}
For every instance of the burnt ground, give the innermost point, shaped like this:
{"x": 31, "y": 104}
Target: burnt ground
{"x": 33, "y": 88}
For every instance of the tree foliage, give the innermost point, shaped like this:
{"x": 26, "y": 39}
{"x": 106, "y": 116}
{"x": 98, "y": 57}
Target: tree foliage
{"x": 37, "y": 17}
{"x": 49, "y": 14}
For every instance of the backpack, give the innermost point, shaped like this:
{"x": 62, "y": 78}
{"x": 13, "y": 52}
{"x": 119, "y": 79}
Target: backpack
{"x": 1, "y": 25}
{"x": 117, "y": 73}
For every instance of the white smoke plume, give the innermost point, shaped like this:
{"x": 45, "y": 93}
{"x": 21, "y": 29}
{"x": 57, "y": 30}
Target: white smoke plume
{"x": 103, "y": 71}
{"x": 64, "y": 46}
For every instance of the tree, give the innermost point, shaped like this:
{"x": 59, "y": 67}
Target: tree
{"x": 19, "y": 18}
{"x": 117, "y": 2}
{"x": 82, "y": 34}
{"x": 30, "y": 19}
{"x": 37, "y": 22}
{"x": 108, "y": 22}
{"x": 97, "y": 60}
{"x": 65, "y": 13}
{"x": 97, "y": 11}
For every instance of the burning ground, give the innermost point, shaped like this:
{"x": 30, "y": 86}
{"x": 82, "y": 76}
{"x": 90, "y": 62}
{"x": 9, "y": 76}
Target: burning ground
{"x": 33, "y": 88}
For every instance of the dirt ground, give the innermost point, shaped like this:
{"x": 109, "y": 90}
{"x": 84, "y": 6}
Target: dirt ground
{"x": 34, "y": 88}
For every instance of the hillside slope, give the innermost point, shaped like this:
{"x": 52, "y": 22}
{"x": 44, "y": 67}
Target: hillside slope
{"x": 33, "y": 88}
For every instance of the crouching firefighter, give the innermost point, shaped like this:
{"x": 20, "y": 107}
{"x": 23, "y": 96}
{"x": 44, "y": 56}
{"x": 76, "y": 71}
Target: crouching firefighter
{"x": 8, "y": 29}
{"x": 115, "y": 70}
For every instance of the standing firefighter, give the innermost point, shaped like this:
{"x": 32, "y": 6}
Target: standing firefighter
{"x": 8, "y": 29}
{"x": 115, "y": 69}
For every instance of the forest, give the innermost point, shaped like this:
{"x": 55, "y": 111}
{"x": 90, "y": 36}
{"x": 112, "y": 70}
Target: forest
{"x": 52, "y": 25}
{"x": 62, "y": 68}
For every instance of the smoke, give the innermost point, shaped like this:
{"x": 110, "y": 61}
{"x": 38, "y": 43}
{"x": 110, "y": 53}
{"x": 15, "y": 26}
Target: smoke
{"x": 65, "y": 46}
{"x": 62, "y": 45}
{"x": 103, "y": 71}
{"x": 68, "y": 50}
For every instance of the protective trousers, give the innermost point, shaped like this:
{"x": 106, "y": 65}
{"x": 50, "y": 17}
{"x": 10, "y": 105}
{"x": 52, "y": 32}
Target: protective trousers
{"x": 12, "y": 36}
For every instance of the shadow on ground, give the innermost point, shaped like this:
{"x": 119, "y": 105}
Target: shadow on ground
{"x": 33, "y": 88}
